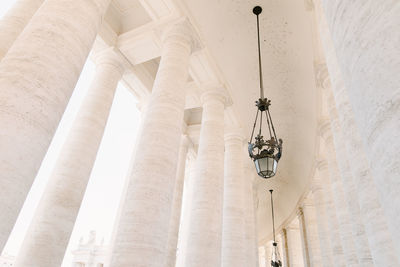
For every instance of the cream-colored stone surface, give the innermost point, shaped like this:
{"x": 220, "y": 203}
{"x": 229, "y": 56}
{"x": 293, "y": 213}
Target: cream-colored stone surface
{"x": 303, "y": 237}
{"x": 332, "y": 222}
{"x": 268, "y": 253}
{"x": 205, "y": 230}
{"x": 283, "y": 249}
{"x": 177, "y": 204}
{"x": 371, "y": 211}
{"x": 340, "y": 205}
{"x": 188, "y": 193}
{"x": 14, "y": 22}
{"x": 37, "y": 77}
{"x": 294, "y": 247}
{"x": 142, "y": 234}
{"x": 311, "y": 230}
{"x": 233, "y": 224}
{"x": 262, "y": 256}
{"x": 48, "y": 235}
{"x": 322, "y": 220}
{"x": 350, "y": 192}
{"x": 251, "y": 232}
{"x": 364, "y": 34}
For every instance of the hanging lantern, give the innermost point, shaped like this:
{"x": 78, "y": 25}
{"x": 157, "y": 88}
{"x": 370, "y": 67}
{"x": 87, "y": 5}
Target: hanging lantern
{"x": 275, "y": 257}
{"x": 264, "y": 151}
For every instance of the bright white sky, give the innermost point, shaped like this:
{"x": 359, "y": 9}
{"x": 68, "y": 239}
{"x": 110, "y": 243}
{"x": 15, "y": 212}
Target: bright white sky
{"x": 103, "y": 193}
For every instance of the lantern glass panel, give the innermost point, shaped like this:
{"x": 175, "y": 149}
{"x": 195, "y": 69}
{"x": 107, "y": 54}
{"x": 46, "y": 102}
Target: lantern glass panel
{"x": 266, "y": 167}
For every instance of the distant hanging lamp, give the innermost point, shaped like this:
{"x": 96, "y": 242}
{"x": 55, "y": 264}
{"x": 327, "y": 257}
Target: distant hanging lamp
{"x": 264, "y": 152}
{"x": 275, "y": 257}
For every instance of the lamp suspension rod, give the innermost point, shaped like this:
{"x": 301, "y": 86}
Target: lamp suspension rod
{"x": 259, "y": 58}
{"x": 273, "y": 218}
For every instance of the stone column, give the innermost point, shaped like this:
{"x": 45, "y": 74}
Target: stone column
{"x": 262, "y": 257}
{"x": 335, "y": 183}
{"x": 14, "y": 22}
{"x": 350, "y": 192}
{"x": 188, "y": 193}
{"x": 329, "y": 206}
{"x": 309, "y": 222}
{"x": 282, "y": 256}
{"x": 177, "y": 204}
{"x": 322, "y": 221}
{"x": 303, "y": 237}
{"x": 233, "y": 224}
{"x": 268, "y": 254}
{"x": 362, "y": 243}
{"x": 37, "y": 77}
{"x": 52, "y": 224}
{"x": 295, "y": 253}
{"x": 372, "y": 215}
{"x": 205, "y": 230}
{"x": 364, "y": 37}
{"x": 250, "y": 221}
{"x": 284, "y": 245}
{"x": 142, "y": 234}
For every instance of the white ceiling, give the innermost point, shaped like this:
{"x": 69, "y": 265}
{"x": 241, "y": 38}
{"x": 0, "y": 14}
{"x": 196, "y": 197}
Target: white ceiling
{"x": 228, "y": 31}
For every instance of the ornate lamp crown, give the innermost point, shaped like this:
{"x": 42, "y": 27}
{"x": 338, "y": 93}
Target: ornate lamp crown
{"x": 264, "y": 152}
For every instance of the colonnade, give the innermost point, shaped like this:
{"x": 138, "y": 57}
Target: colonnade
{"x": 349, "y": 216}
{"x": 154, "y": 192}
{"x": 345, "y": 219}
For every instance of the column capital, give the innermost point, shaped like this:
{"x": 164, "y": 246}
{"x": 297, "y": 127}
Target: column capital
{"x": 291, "y": 227}
{"x": 324, "y": 127}
{"x": 234, "y": 136}
{"x": 322, "y": 164}
{"x": 110, "y": 56}
{"x": 183, "y": 32}
{"x": 214, "y": 94}
{"x": 322, "y": 75}
{"x": 299, "y": 212}
{"x": 185, "y": 141}
{"x": 307, "y": 202}
{"x": 316, "y": 186}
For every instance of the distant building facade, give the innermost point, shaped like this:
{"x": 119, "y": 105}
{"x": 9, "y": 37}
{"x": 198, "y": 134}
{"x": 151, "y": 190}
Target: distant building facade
{"x": 90, "y": 254}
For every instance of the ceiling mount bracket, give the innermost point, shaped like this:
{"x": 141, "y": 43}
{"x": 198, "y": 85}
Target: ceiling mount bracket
{"x": 257, "y": 10}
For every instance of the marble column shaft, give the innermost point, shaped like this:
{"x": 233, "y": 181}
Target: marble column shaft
{"x": 350, "y": 192}
{"x": 371, "y": 211}
{"x": 142, "y": 234}
{"x": 280, "y": 248}
{"x": 233, "y": 225}
{"x": 188, "y": 193}
{"x": 268, "y": 253}
{"x": 250, "y": 222}
{"x": 205, "y": 230}
{"x": 311, "y": 230}
{"x": 262, "y": 256}
{"x": 284, "y": 245}
{"x": 340, "y": 204}
{"x": 364, "y": 34}
{"x": 304, "y": 237}
{"x": 295, "y": 252}
{"x": 322, "y": 220}
{"x": 37, "y": 77}
{"x": 51, "y": 227}
{"x": 177, "y": 204}
{"x": 14, "y": 22}
{"x": 333, "y": 223}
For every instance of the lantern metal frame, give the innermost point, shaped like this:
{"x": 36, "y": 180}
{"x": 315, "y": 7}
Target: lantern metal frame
{"x": 264, "y": 152}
